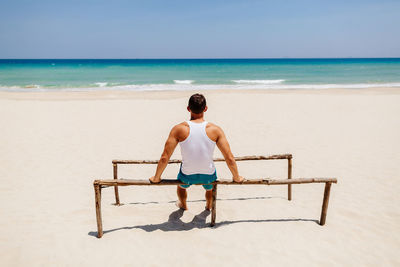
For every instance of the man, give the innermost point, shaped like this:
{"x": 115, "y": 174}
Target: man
{"x": 197, "y": 139}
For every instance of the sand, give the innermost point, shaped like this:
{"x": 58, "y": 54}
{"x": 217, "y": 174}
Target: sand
{"x": 53, "y": 145}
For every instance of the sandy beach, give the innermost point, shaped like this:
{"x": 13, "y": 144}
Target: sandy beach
{"x": 53, "y": 145}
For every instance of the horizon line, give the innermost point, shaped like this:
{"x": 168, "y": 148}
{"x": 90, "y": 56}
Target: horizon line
{"x": 199, "y": 58}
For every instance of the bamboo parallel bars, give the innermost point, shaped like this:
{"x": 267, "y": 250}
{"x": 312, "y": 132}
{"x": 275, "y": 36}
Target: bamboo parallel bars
{"x": 115, "y": 182}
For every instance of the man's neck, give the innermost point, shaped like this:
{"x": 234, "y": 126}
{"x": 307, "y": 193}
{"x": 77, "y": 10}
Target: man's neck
{"x": 197, "y": 117}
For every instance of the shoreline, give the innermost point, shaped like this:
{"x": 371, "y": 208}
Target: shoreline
{"x": 172, "y": 94}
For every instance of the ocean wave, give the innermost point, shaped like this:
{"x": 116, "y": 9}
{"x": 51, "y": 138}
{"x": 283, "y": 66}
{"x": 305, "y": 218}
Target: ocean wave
{"x": 258, "y": 81}
{"x": 192, "y": 87}
{"x": 101, "y": 84}
{"x": 183, "y": 81}
{"x": 30, "y": 86}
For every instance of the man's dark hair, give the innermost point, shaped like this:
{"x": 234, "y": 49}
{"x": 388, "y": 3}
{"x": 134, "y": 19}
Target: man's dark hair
{"x": 197, "y": 103}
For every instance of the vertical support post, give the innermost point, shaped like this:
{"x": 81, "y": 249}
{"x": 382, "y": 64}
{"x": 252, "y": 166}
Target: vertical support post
{"x": 289, "y": 177}
{"x": 214, "y": 205}
{"x": 115, "y": 172}
{"x": 97, "y": 194}
{"x": 325, "y": 203}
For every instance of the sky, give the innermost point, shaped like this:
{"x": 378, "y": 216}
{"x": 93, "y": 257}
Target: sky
{"x": 199, "y": 28}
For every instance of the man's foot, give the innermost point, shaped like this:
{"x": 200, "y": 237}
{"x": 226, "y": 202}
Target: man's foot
{"x": 238, "y": 179}
{"x": 180, "y": 205}
{"x": 154, "y": 180}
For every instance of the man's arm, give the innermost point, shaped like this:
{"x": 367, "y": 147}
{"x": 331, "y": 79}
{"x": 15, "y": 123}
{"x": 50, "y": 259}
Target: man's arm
{"x": 225, "y": 149}
{"x": 169, "y": 148}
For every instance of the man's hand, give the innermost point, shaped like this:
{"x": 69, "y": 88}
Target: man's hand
{"x": 238, "y": 179}
{"x": 155, "y": 180}
{"x": 225, "y": 149}
{"x": 169, "y": 148}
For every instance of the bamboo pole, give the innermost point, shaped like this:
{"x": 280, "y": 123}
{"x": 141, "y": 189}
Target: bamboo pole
{"x": 325, "y": 203}
{"x": 271, "y": 157}
{"x": 244, "y": 158}
{"x": 115, "y": 172}
{"x": 98, "y": 184}
{"x": 97, "y": 190}
{"x": 265, "y": 181}
{"x": 214, "y": 205}
{"x": 289, "y": 177}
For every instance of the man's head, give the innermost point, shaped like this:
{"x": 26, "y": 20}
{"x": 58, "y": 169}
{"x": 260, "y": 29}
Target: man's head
{"x": 197, "y": 104}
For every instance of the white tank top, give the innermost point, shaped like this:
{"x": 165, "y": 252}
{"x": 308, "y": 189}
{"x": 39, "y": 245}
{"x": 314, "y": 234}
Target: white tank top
{"x": 197, "y": 150}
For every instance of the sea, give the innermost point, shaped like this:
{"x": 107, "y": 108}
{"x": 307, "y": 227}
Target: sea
{"x": 197, "y": 74}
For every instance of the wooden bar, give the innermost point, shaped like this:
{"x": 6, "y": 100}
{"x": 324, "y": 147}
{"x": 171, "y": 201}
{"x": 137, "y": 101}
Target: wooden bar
{"x": 325, "y": 203}
{"x": 97, "y": 193}
{"x": 266, "y": 181}
{"x": 289, "y": 177}
{"x": 98, "y": 184}
{"x": 244, "y": 158}
{"x": 214, "y": 205}
{"x": 115, "y": 182}
{"x": 271, "y": 157}
{"x": 115, "y": 173}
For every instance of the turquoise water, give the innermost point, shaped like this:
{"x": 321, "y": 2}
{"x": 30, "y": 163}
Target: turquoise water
{"x": 187, "y": 74}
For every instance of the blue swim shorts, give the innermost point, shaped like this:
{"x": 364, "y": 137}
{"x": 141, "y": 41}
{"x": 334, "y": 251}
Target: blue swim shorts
{"x": 203, "y": 179}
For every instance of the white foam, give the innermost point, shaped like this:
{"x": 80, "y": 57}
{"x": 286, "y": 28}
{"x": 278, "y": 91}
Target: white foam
{"x": 258, "y": 81}
{"x": 101, "y": 84}
{"x": 29, "y": 86}
{"x": 191, "y": 87}
{"x": 183, "y": 81}
{"x": 183, "y": 87}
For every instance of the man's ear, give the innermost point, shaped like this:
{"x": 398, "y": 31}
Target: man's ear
{"x": 205, "y": 109}
{"x": 188, "y": 109}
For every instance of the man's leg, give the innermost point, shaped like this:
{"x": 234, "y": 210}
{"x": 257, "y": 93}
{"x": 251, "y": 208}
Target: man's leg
{"x": 208, "y": 199}
{"x": 182, "y": 195}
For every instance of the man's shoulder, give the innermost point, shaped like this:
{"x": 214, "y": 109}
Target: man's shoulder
{"x": 214, "y": 130}
{"x": 181, "y": 125}
{"x": 213, "y": 126}
{"x": 180, "y": 130}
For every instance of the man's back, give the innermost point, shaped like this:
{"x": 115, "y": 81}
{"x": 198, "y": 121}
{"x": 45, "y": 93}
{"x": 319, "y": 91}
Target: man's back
{"x": 183, "y": 130}
{"x": 197, "y": 149}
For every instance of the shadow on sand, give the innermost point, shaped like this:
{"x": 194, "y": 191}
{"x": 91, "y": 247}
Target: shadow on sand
{"x": 175, "y": 223}
{"x": 219, "y": 199}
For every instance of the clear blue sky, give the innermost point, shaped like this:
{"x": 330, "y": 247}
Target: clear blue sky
{"x": 199, "y": 28}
